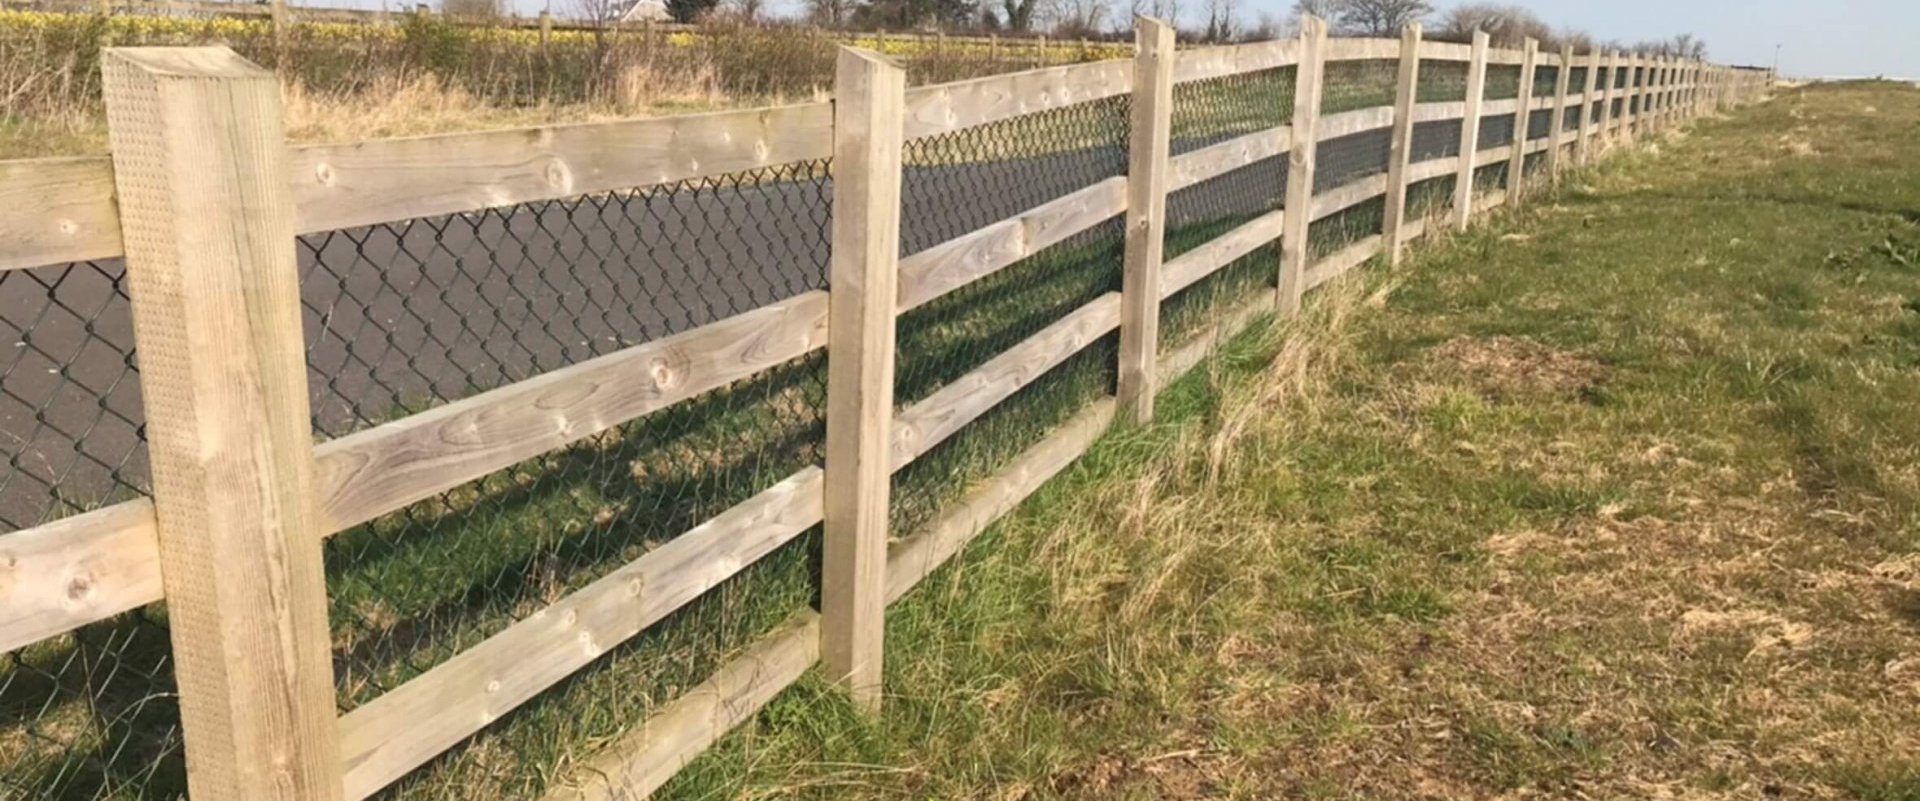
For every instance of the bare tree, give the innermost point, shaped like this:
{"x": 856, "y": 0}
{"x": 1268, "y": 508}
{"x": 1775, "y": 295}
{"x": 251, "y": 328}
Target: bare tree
{"x": 830, "y": 13}
{"x": 1506, "y": 25}
{"x": 1079, "y": 18}
{"x": 1377, "y": 17}
{"x": 599, "y": 12}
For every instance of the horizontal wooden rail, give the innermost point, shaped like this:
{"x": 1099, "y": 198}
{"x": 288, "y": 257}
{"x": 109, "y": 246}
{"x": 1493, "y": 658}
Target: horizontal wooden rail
{"x": 1445, "y": 51}
{"x": 86, "y": 568}
{"x": 1360, "y": 49}
{"x": 938, "y": 109}
{"x": 1220, "y": 251}
{"x": 385, "y": 468}
{"x": 1348, "y": 123}
{"x": 949, "y": 409}
{"x": 1217, "y": 62}
{"x": 410, "y": 724}
{"x": 1348, "y": 195}
{"x": 959, "y": 261}
{"x": 1332, "y": 265}
{"x": 639, "y": 762}
{"x": 1432, "y": 168}
{"x": 57, "y": 210}
{"x": 383, "y": 180}
{"x": 1439, "y": 112}
{"x": 1221, "y": 158}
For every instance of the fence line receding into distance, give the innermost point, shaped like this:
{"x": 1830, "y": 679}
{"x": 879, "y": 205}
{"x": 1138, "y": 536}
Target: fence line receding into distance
{"x": 471, "y": 438}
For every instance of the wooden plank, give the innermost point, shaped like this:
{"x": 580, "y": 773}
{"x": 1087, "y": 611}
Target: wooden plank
{"x": 1470, "y": 133}
{"x": 1221, "y": 158}
{"x": 200, "y": 172}
{"x": 1201, "y": 63}
{"x": 370, "y": 473}
{"x": 1438, "y": 112}
{"x": 938, "y": 109}
{"x": 916, "y": 556}
{"x": 642, "y": 760}
{"x": 1400, "y": 149}
{"x": 1583, "y": 147}
{"x": 1349, "y": 195}
{"x": 1557, "y": 130}
{"x": 1432, "y": 168}
{"x": 347, "y": 185}
{"x": 1516, "y": 188}
{"x": 1348, "y": 123}
{"x": 1445, "y": 51}
{"x": 1357, "y": 49}
{"x": 1634, "y": 118}
{"x": 402, "y": 729}
{"x": 943, "y": 413}
{"x": 1148, "y": 152}
{"x": 1308, "y": 84}
{"x": 68, "y": 573}
{"x": 955, "y": 263}
{"x": 1496, "y": 108}
{"x": 1220, "y": 251}
{"x": 57, "y": 210}
{"x": 1181, "y": 360}
{"x": 1607, "y": 118}
{"x": 1347, "y": 258}
{"x": 868, "y": 108}
{"x": 1508, "y": 58}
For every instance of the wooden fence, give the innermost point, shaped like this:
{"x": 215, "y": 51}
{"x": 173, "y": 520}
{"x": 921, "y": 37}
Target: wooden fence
{"x": 203, "y": 199}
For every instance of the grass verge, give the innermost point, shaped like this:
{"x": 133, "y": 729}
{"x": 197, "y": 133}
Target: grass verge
{"x": 1612, "y": 497}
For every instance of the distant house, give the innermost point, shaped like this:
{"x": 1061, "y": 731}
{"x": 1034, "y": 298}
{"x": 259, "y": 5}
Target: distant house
{"x": 645, "y": 11}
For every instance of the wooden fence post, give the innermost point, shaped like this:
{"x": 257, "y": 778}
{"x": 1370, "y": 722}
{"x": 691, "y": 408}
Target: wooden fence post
{"x": 1583, "y": 147}
{"x": 869, "y": 115}
{"x": 1522, "y": 123}
{"x": 1297, "y": 217}
{"x": 1557, "y": 126}
{"x": 1608, "y": 119}
{"x": 281, "y": 29}
{"x": 1148, "y": 152}
{"x": 1400, "y": 152}
{"x": 1470, "y": 132}
{"x": 206, "y": 212}
{"x": 546, "y": 31}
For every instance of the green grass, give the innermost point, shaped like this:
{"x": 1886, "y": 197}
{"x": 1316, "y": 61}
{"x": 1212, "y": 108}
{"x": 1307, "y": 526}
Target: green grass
{"x": 1612, "y": 497}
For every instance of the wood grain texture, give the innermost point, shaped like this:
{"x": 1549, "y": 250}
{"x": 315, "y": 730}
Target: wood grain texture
{"x": 633, "y": 766}
{"x": 1363, "y": 49}
{"x": 1218, "y": 159}
{"x": 944, "y": 413}
{"x": 402, "y": 729}
{"x": 1432, "y": 168}
{"x": 1470, "y": 133}
{"x": 1218, "y": 252}
{"x": 347, "y": 185}
{"x": 65, "y": 574}
{"x": 1149, "y": 149}
{"x": 868, "y": 117}
{"x": 200, "y": 171}
{"x": 915, "y": 556}
{"x": 57, "y": 210}
{"x": 1333, "y": 265}
{"x": 1445, "y": 51}
{"x": 1348, "y": 123}
{"x": 1201, "y": 63}
{"x": 1309, "y": 83}
{"x": 1440, "y": 111}
{"x": 1557, "y": 127}
{"x": 1583, "y": 147}
{"x": 957, "y": 262}
{"x": 1400, "y": 149}
{"x": 1348, "y": 195}
{"x": 1516, "y": 188}
{"x": 938, "y": 109}
{"x": 382, "y": 469}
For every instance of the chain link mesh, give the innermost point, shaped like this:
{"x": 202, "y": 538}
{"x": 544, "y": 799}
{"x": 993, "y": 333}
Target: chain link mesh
{"x": 1209, "y": 111}
{"x": 406, "y": 316}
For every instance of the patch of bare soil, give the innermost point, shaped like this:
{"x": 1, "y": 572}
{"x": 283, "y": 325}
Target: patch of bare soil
{"x": 1508, "y": 366}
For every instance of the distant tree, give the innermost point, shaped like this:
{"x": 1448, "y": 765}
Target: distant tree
{"x": 1506, "y": 25}
{"x": 1377, "y": 17}
{"x": 830, "y": 13}
{"x": 1019, "y": 14}
{"x": 689, "y": 11}
{"x": 1222, "y": 20}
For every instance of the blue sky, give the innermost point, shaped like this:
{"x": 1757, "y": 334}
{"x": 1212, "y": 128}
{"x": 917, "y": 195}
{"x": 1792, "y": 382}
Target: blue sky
{"x": 1822, "y": 39}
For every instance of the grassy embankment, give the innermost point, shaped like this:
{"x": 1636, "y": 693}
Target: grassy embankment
{"x": 1614, "y": 497}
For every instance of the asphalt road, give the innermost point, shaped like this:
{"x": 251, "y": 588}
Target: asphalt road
{"x": 399, "y": 317}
